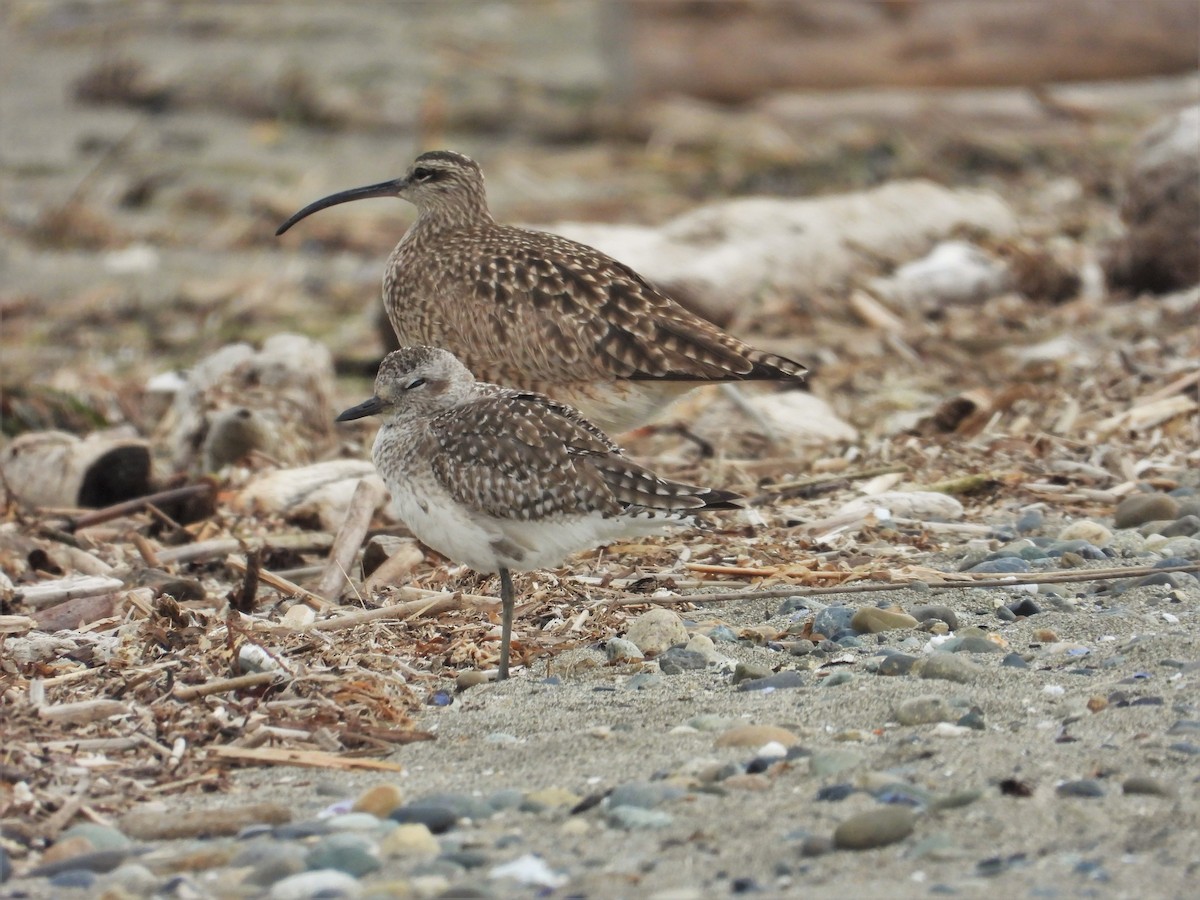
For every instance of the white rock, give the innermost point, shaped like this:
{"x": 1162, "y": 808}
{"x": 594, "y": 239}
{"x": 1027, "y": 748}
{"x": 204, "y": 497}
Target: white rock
{"x": 657, "y": 629}
{"x": 317, "y": 883}
{"x": 530, "y": 869}
{"x": 908, "y": 504}
{"x": 953, "y": 272}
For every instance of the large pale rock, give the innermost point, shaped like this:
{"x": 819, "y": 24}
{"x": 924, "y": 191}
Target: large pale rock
{"x": 277, "y": 400}
{"x": 322, "y": 491}
{"x": 56, "y": 469}
{"x": 722, "y": 256}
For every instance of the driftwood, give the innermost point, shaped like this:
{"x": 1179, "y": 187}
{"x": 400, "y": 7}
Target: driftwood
{"x": 366, "y": 499}
{"x": 56, "y": 469}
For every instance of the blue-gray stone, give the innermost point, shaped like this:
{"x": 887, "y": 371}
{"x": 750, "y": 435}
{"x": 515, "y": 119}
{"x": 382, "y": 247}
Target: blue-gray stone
{"x": 1014, "y": 661}
{"x": 789, "y": 678}
{"x": 1186, "y": 747}
{"x": 101, "y": 837}
{"x": 78, "y": 879}
{"x": 643, "y": 681}
{"x": 1008, "y": 565}
{"x": 644, "y": 794}
{"x": 1080, "y": 548}
{"x": 791, "y": 605}
{"x": 1084, "y": 787}
{"x": 677, "y": 660}
{"x": 723, "y": 633}
{"x": 351, "y": 853}
{"x": 837, "y": 678}
{"x": 1025, "y": 607}
{"x": 96, "y": 861}
{"x": 1184, "y": 526}
{"x": 5, "y": 866}
{"x": 936, "y": 613}
{"x": 896, "y": 664}
{"x": 635, "y": 818}
{"x": 835, "y": 793}
{"x": 438, "y": 819}
{"x": 1033, "y": 554}
{"x": 465, "y": 806}
{"x": 467, "y": 859}
{"x": 833, "y": 620}
{"x": 298, "y": 831}
{"x": 1031, "y": 520}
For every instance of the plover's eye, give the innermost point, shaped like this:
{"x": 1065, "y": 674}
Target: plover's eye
{"x": 423, "y": 174}
{"x": 415, "y": 383}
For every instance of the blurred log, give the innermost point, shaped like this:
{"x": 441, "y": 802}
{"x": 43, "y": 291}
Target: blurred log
{"x": 735, "y": 50}
{"x": 56, "y": 469}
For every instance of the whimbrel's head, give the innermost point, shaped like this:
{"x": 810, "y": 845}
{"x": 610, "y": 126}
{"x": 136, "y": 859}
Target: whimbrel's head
{"x": 414, "y": 382}
{"x": 441, "y": 183}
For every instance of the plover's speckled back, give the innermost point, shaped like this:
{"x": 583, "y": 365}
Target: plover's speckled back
{"x": 537, "y": 311}
{"x": 503, "y": 479}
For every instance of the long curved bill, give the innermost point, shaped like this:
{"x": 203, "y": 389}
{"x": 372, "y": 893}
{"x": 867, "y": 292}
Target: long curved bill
{"x": 367, "y": 408}
{"x": 383, "y": 189}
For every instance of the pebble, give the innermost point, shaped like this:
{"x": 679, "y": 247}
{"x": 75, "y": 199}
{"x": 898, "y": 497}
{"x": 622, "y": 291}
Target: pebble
{"x": 655, "y": 630}
{"x": 644, "y": 794}
{"x": 789, "y": 678}
{"x": 1014, "y": 661}
{"x": 96, "y": 861}
{"x": 438, "y": 819}
{"x": 549, "y": 798}
{"x": 471, "y": 678}
{"x": 1084, "y": 787}
{"x": 677, "y": 660}
{"x": 1184, "y": 547}
{"x": 316, "y": 885}
{"x": 896, "y": 664}
{"x": 831, "y": 762}
{"x": 1087, "y": 530}
{"x": 643, "y": 681}
{"x": 350, "y": 853}
{"x": 410, "y": 840}
{"x": 271, "y": 861}
{"x": 379, "y": 800}
{"x": 756, "y": 736}
{"x": 74, "y": 879}
{"x": 1137, "y": 509}
{"x": 939, "y": 613}
{"x": 1144, "y": 784}
{"x": 872, "y": 620}
{"x": 619, "y": 649}
{"x": 832, "y": 621}
{"x": 925, "y": 710}
{"x": 750, "y": 671}
{"x": 1184, "y": 526}
{"x": 101, "y": 837}
{"x": 635, "y": 818}
{"x": 875, "y": 828}
{"x": 529, "y": 869}
{"x": 136, "y": 879}
{"x": 947, "y": 667}
{"x": 1006, "y": 565}
{"x": 67, "y": 848}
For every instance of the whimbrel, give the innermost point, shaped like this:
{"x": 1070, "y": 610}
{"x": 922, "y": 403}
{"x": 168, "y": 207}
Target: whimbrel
{"x": 502, "y": 479}
{"x": 537, "y": 311}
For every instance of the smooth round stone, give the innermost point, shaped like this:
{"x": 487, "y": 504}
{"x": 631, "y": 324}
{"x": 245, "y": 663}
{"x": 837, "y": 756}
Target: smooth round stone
{"x": 677, "y": 660}
{"x": 101, "y": 837}
{"x": 724, "y": 634}
{"x": 1084, "y": 787}
{"x": 947, "y": 667}
{"x": 350, "y": 853}
{"x": 95, "y": 861}
{"x": 644, "y": 794}
{"x": 379, "y": 800}
{"x": 505, "y": 798}
{"x": 438, "y": 819}
{"x": 839, "y": 677}
{"x": 74, "y": 879}
{"x": 745, "y": 671}
{"x": 1072, "y": 552}
{"x": 618, "y": 649}
{"x": 756, "y": 736}
{"x": 925, "y": 710}
{"x": 471, "y": 678}
{"x": 67, "y": 848}
{"x": 836, "y": 793}
{"x": 1186, "y": 547}
{"x": 1137, "y": 509}
{"x": 1184, "y": 526}
{"x": 1025, "y": 607}
{"x": 970, "y": 643}
{"x": 316, "y": 885}
{"x": 134, "y": 878}
{"x": 354, "y": 821}
{"x": 832, "y": 620}
{"x": 831, "y": 762}
{"x": 412, "y": 840}
{"x": 789, "y": 678}
{"x": 655, "y": 630}
{"x": 937, "y": 612}
{"x": 956, "y": 800}
{"x": 896, "y": 664}
{"x": 1154, "y": 528}
{"x": 1030, "y": 521}
{"x": 549, "y": 798}
{"x": 1008, "y": 565}
{"x": 875, "y": 828}
{"x": 465, "y": 806}
{"x": 635, "y": 818}
{"x": 272, "y": 861}
{"x": 872, "y": 620}
{"x": 1144, "y": 784}
{"x": 466, "y": 859}
{"x": 643, "y": 681}
{"x": 1087, "y": 530}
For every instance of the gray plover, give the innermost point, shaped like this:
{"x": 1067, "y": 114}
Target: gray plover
{"x": 540, "y": 312}
{"x": 503, "y": 479}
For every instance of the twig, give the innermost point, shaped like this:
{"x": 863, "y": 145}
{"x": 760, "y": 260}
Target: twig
{"x": 313, "y": 758}
{"x": 363, "y": 503}
{"x": 801, "y": 486}
{"x": 108, "y": 513}
{"x": 300, "y": 540}
{"x": 281, "y": 584}
{"x": 72, "y": 588}
{"x": 1114, "y": 573}
{"x": 423, "y": 603}
{"x": 224, "y": 685}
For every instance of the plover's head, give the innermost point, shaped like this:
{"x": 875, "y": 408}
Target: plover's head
{"x": 415, "y": 381}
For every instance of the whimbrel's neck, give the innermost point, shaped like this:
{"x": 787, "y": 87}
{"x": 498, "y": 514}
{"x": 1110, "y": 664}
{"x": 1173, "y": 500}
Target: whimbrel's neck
{"x": 465, "y": 212}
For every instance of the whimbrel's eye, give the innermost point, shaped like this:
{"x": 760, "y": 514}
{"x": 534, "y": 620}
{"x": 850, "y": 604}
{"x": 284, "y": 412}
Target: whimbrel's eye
{"x": 423, "y": 174}
{"x": 415, "y": 383}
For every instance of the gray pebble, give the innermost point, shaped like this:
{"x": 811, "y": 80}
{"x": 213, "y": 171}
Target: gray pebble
{"x": 438, "y": 819}
{"x": 74, "y": 879}
{"x": 947, "y": 667}
{"x": 1084, "y": 787}
{"x": 506, "y": 798}
{"x": 1008, "y": 565}
{"x": 839, "y": 677}
{"x": 875, "y": 828}
{"x": 136, "y": 879}
{"x": 1014, "y": 660}
{"x": 830, "y": 762}
{"x": 1144, "y": 784}
{"x": 1186, "y": 547}
{"x": 676, "y": 661}
{"x": 634, "y": 818}
{"x": 1030, "y": 521}
{"x": 643, "y": 681}
{"x": 816, "y": 845}
{"x": 101, "y": 837}
{"x": 832, "y": 620}
{"x": 896, "y": 664}
{"x": 1184, "y": 526}
{"x": 924, "y": 710}
{"x": 644, "y": 794}
{"x": 465, "y": 806}
{"x": 347, "y": 852}
{"x": 723, "y": 633}
{"x": 750, "y": 671}
{"x": 1138, "y": 508}
{"x": 970, "y": 643}
{"x": 789, "y": 678}
{"x": 939, "y": 613}
{"x": 97, "y": 861}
